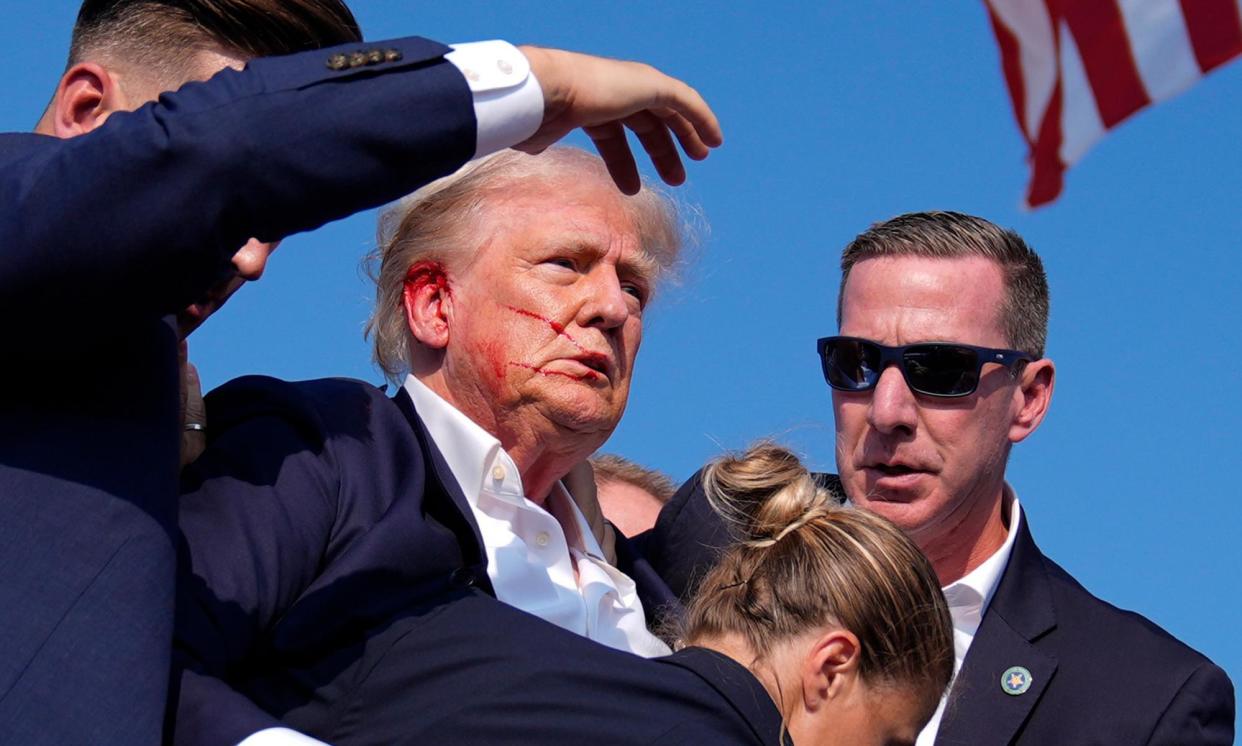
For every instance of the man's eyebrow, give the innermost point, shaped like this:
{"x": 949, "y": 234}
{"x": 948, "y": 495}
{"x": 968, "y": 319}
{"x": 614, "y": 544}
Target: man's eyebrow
{"x": 639, "y": 264}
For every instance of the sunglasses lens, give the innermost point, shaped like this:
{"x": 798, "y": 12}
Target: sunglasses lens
{"x": 941, "y": 370}
{"x": 851, "y": 364}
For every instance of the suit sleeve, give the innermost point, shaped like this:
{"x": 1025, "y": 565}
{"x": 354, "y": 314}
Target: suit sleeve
{"x": 141, "y": 216}
{"x": 257, "y": 516}
{"x": 1201, "y": 714}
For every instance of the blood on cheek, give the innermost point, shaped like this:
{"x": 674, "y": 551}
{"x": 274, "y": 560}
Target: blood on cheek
{"x": 559, "y": 330}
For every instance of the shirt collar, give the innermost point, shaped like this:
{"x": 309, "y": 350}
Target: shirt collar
{"x": 969, "y": 596}
{"x": 471, "y": 452}
{"x": 479, "y": 463}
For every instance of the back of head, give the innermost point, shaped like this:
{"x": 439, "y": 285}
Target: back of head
{"x": 609, "y": 467}
{"x": 803, "y": 562}
{"x": 160, "y": 37}
{"x": 954, "y": 235}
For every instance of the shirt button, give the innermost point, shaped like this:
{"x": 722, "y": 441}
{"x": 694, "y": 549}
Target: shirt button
{"x": 498, "y": 472}
{"x": 504, "y": 67}
{"x": 542, "y": 538}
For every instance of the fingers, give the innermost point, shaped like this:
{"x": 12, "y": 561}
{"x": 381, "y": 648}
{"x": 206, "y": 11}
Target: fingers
{"x": 686, "y": 134}
{"x": 614, "y": 149}
{"x": 194, "y": 414}
{"x": 603, "y": 96}
{"x": 686, "y": 103}
{"x": 653, "y": 133}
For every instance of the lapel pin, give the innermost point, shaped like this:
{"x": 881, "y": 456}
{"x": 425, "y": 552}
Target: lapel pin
{"x": 1016, "y": 680}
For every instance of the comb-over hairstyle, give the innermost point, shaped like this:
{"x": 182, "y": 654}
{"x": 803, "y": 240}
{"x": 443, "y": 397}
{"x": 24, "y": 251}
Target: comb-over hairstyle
{"x": 161, "y": 36}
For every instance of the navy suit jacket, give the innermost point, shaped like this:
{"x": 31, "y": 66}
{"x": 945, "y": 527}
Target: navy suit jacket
{"x": 472, "y": 670}
{"x": 319, "y": 521}
{"x": 103, "y": 237}
{"x": 1099, "y": 674}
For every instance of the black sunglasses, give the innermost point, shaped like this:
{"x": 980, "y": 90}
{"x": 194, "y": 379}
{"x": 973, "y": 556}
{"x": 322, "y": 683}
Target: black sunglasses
{"x": 931, "y": 368}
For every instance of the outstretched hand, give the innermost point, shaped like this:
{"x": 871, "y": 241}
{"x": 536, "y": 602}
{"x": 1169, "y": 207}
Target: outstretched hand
{"x": 605, "y": 97}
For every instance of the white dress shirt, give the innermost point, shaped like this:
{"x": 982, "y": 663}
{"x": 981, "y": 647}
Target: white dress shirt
{"x": 968, "y": 600}
{"x": 533, "y": 551}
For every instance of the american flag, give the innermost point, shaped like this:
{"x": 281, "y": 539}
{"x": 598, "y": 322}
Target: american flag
{"x": 1077, "y": 68}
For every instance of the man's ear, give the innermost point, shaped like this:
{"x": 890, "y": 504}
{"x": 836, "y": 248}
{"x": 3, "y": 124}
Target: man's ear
{"x": 86, "y": 96}
{"x": 830, "y": 670}
{"x": 1033, "y": 396}
{"x": 427, "y": 298}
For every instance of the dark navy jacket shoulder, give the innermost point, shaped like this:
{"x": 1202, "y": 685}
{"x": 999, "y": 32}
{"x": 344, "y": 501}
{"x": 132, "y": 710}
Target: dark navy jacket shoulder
{"x": 103, "y": 236}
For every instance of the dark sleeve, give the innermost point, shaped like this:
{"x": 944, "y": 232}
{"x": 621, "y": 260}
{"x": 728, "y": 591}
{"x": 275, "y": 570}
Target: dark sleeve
{"x": 142, "y": 215}
{"x": 687, "y": 539}
{"x": 257, "y": 516}
{"x": 1201, "y": 714}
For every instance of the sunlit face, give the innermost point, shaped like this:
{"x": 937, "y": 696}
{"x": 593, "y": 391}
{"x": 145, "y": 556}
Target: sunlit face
{"x": 924, "y": 462}
{"x": 546, "y": 319}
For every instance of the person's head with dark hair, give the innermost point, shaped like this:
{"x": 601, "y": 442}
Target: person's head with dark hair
{"x": 169, "y": 42}
{"x": 832, "y": 608}
{"x": 631, "y": 495}
{"x": 125, "y": 53}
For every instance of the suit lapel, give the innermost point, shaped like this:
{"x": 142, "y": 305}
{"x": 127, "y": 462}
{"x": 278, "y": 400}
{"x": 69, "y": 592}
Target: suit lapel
{"x": 980, "y": 710}
{"x": 443, "y": 476}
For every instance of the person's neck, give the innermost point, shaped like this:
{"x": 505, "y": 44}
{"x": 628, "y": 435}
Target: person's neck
{"x": 965, "y": 541}
{"x": 542, "y": 451}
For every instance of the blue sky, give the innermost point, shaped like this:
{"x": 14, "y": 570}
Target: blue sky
{"x": 837, "y": 115}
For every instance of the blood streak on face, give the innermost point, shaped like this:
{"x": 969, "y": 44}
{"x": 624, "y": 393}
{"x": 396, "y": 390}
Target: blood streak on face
{"x": 553, "y": 325}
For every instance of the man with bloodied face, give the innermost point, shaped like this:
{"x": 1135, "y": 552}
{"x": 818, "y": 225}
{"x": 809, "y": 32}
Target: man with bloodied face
{"x": 325, "y": 514}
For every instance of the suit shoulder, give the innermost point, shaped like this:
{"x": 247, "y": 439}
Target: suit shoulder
{"x": 324, "y": 404}
{"x": 1089, "y": 618}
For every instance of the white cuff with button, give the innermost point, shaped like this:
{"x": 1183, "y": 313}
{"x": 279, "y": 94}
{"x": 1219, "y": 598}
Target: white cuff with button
{"x": 508, "y": 102}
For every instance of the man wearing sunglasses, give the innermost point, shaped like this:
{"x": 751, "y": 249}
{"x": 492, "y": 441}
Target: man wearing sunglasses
{"x": 938, "y": 371}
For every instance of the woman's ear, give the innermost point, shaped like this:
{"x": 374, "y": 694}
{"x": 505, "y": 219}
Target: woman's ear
{"x": 830, "y": 669}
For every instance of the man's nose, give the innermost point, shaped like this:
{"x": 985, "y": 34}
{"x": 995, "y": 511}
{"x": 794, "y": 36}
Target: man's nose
{"x": 607, "y": 305}
{"x": 251, "y": 259}
{"x": 893, "y": 406}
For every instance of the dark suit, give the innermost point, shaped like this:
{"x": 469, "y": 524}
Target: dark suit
{"x": 103, "y": 236}
{"x": 318, "y": 523}
{"x": 472, "y": 670}
{"x": 1099, "y": 675}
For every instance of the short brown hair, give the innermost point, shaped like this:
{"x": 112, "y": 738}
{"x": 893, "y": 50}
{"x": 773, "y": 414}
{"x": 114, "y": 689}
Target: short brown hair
{"x": 803, "y": 560}
{"x": 951, "y": 235}
{"x": 609, "y": 467}
{"x": 161, "y": 35}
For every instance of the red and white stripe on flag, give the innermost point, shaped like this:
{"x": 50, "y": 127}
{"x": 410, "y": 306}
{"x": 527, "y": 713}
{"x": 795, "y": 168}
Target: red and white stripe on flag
{"x": 1076, "y": 68}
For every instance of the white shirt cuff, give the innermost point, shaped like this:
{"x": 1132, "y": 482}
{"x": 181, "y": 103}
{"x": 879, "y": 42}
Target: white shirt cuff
{"x": 280, "y": 737}
{"x": 508, "y": 102}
